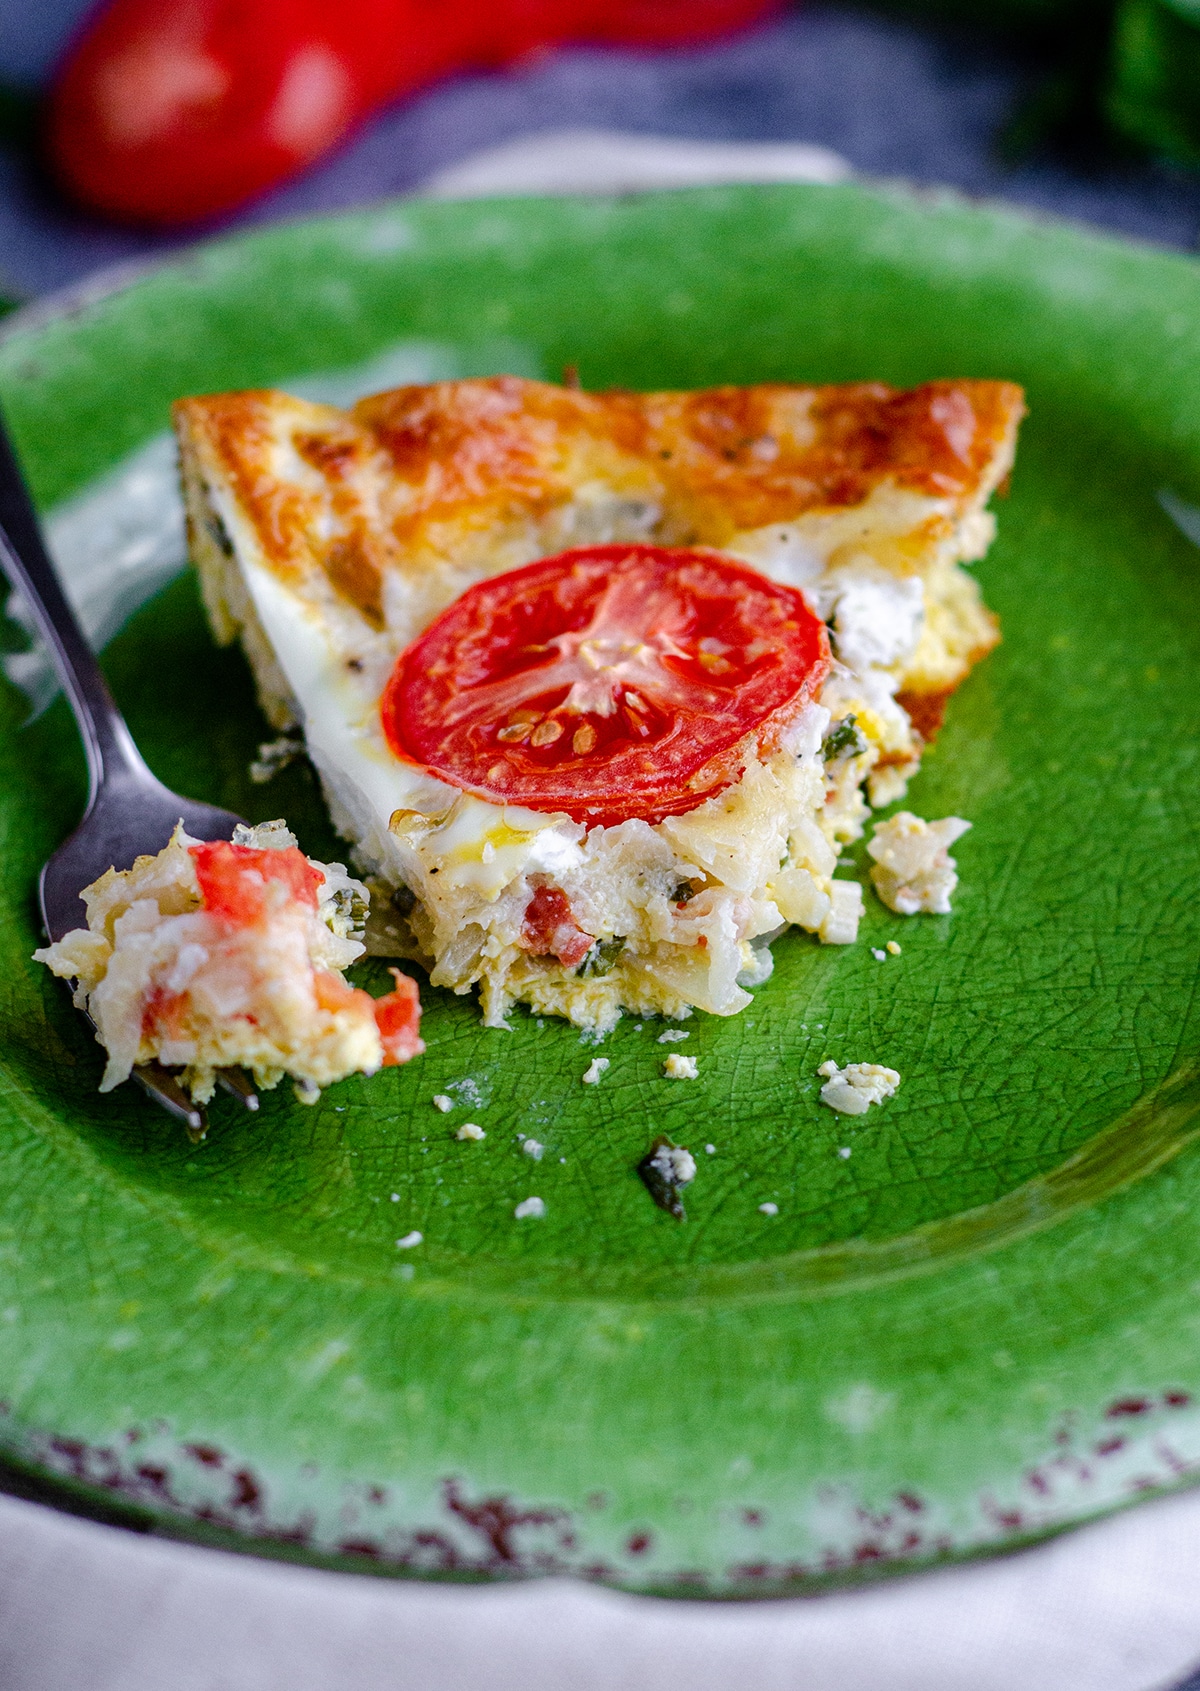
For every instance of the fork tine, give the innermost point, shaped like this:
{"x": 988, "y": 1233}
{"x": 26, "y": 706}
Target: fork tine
{"x": 163, "y": 1087}
{"x": 239, "y": 1085}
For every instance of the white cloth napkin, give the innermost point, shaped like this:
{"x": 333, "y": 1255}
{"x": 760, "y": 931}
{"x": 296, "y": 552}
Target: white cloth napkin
{"x": 1111, "y": 1607}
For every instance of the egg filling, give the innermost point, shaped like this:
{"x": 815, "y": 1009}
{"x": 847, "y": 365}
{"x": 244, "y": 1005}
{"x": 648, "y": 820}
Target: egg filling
{"x": 214, "y": 955}
{"x": 328, "y": 541}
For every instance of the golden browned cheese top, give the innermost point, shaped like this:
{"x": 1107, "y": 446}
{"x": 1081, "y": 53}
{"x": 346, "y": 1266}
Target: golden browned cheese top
{"x": 414, "y": 468}
{"x": 766, "y": 453}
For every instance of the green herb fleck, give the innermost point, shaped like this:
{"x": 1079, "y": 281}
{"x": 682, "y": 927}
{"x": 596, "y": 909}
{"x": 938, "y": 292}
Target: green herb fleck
{"x": 843, "y": 740}
{"x": 602, "y": 956}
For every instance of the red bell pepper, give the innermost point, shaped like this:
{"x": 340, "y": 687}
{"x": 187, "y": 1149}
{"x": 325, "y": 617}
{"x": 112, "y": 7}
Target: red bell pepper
{"x": 168, "y": 111}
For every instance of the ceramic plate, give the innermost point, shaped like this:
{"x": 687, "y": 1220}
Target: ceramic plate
{"x": 980, "y": 1325}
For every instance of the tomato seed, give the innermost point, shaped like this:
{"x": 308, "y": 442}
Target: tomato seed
{"x": 546, "y": 733}
{"x": 584, "y": 740}
{"x": 515, "y": 734}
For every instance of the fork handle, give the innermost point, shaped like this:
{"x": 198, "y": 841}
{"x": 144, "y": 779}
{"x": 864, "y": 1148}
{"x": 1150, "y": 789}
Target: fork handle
{"x": 107, "y": 742}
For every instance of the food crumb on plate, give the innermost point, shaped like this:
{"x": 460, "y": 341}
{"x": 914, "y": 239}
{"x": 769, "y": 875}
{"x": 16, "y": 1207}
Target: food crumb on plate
{"x": 533, "y": 1149}
{"x": 879, "y": 956}
{"x": 711, "y": 1150}
{"x": 843, "y": 1150}
{"x": 442, "y": 1103}
{"x": 274, "y": 755}
{"x": 893, "y": 947}
{"x": 768, "y": 1209}
{"x": 852, "y": 1090}
{"x": 597, "y": 1066}
{"x": 395, "y": 1197}
{"x": 470, "y": 1130}
{"x": 913, "y": 869}
{"x": 678, "y": 1067}
{"x": 671, "y": 1035}
{"x": 410, "y": 1239}
{"x": 530, "y": 1208}
{"x": 675, "y": 1163}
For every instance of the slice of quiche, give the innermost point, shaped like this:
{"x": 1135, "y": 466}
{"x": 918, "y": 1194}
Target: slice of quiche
{"x": 597, "y": 682}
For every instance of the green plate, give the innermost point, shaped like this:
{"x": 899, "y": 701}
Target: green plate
{"x": 982, "y": 1324}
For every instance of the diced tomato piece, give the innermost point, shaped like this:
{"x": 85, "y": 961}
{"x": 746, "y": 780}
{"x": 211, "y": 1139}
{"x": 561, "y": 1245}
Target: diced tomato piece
{"x": 398, "y": 1018}
{"x": 163, "y": 1014}
{"x": 549, "y": 928}
{"x": 333, "y": 993}
{"x": 233, "y": 879}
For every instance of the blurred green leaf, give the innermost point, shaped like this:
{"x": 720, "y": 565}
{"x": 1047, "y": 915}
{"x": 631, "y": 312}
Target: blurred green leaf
{"x": 1107, "y": 74}
{"x": 1153, "y": 95}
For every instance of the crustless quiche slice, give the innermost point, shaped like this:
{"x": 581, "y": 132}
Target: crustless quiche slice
{"x": 596, "y": 683}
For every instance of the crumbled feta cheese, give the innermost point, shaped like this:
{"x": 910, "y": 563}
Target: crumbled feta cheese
{"x": 410, "y": 1239}
{"x": 672, "y": 1035}
{"x": 530, "y": 1208}
{"x": 879, "y": 956}
{"x": 840, "y": 926}
{"x": 853, "y": 1090}
{"x": 768, "y": 1209}
{"x": 442, "y": 1103}
{"x": 913, "y": 869}
{"x": 591, "y": 1075}
{"x": 470, "y": 1130}
{"x": 532, "y": 1149}
{"x": 680, "y": 1068}
{"x": 711, "y": 1150}
{"x": 893, "y": 948}
{"x": 676, "y": 1165}
{"x": 878, "y": 615}
{"x": 802, "y": 737}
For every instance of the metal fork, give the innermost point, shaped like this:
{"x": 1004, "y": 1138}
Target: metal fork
{"x": 129, "y": 812}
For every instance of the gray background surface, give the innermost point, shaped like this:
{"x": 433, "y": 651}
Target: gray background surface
{"x": 894, "y": 99}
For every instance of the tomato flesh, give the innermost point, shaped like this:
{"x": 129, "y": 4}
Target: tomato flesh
{"x": 164, "y": 111}
{"x": 609, "y": 682}
{"x": 398, "y": 1018}
{"x": 549, "y": 929}
{"x": 233, "y": 879}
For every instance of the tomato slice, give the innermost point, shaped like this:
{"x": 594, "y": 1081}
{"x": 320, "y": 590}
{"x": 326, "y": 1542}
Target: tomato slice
{"x": 608, "y": 682}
